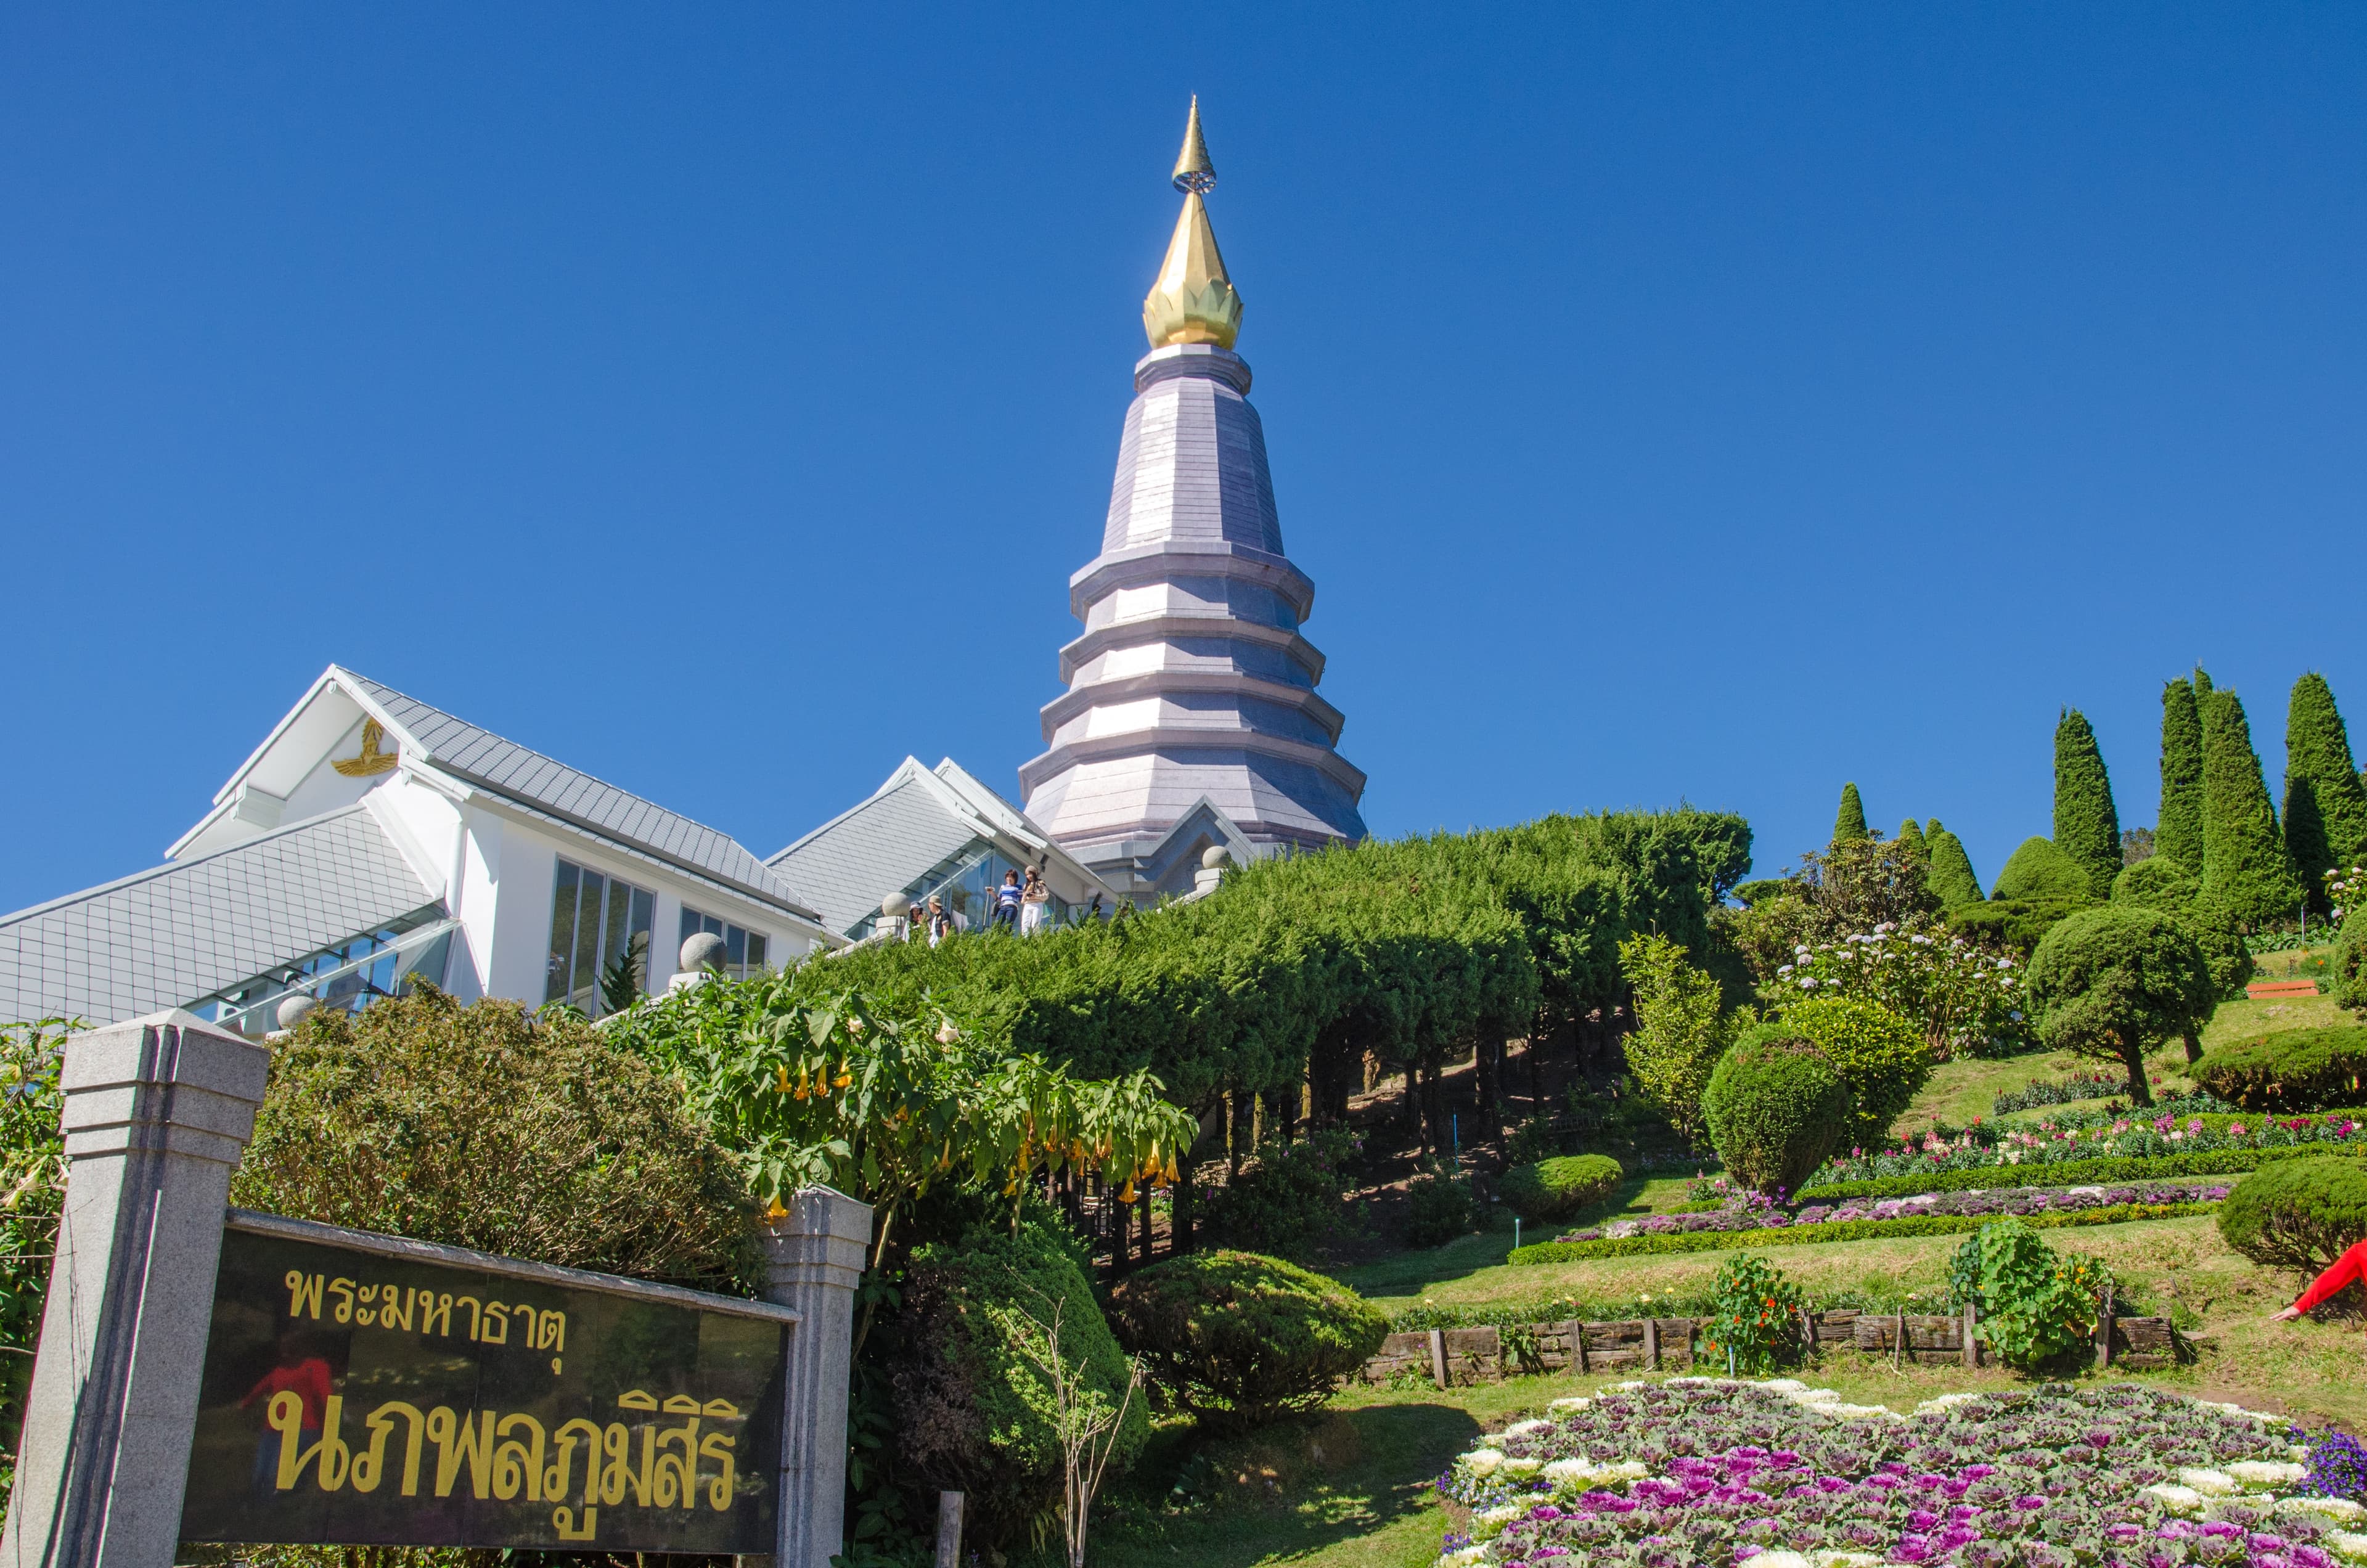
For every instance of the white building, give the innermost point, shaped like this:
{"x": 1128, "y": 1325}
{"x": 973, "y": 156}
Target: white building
{"x": 371, "y": 838}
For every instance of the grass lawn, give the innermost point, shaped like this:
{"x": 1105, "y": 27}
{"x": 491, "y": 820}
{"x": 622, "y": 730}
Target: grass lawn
{"x": 2237, "y": 1019}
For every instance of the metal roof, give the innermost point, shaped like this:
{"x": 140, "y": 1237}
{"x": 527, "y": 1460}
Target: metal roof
{"x": 482, "y": 758}
{"x": 851, "y": 862}
{"x": 172, "y": 936}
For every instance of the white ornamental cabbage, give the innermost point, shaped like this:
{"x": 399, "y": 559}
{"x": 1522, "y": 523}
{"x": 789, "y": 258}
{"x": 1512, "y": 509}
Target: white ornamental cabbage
{"x": 1845, "y": 1559}
{"x": 1579, "y": 1403}
{"x": 1523, "y": 1428}
{"x": 1778, "y": 1560}
{"x": 2341, "y": 1510}
{"x": 2347, "y": 1543}
{"x": 1573, "y": 1473}
{"x": 2177, "y": 1499}
{"x": 2264, "y": 1475}
{"x": 1462, "y": 1557}
{"x": 2210, "y": 1483}
{"x": 1482, "y": 1462}
{"x": 1489, "y": 1523}
{"x": 1523, "y": 1467}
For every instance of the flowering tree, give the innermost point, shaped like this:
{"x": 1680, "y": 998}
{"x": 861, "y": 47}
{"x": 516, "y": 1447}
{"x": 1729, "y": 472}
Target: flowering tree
{"x": 1966, "y": 997}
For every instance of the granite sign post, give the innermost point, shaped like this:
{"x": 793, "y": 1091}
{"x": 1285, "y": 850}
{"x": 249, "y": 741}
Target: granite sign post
{"x": 213, "y": 1375}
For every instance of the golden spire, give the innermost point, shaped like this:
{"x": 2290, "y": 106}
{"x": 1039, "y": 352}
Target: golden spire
{"x": 1192, "y": 301}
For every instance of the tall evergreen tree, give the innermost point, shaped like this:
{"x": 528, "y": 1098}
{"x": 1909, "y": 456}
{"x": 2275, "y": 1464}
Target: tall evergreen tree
{"x": 2087, "y": 825}
{"x": 2178, "y": 831}
{"x": 2245, "y": 869}
{"x": 1952, "y": 875}
{"x": 2326, "y": 807}
{"x": 1849, "y": 821}
{"x": 1910, "y": 838}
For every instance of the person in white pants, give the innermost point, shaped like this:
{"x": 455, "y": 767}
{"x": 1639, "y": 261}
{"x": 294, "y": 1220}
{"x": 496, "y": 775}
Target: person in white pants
{"x": 1033, "y": 900}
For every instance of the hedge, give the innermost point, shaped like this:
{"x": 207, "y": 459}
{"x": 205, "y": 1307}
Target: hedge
{"x": 2296, "y": 1069}
{"x": 1556, "y": 1189}
{"x": 2069, "y": 1173}
{"x": 2297, "y": 1213}
{"x": 1844, "y": 1230}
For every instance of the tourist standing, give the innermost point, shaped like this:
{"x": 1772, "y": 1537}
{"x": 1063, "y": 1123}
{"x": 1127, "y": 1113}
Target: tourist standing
{"x": 940, "y": 925}
{"x": 1006, "y": 901}
{"x": 1033, "y": 899}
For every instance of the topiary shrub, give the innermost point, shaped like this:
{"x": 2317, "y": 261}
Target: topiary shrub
{"x": 1238, "y": 1339}
{"x": 1440, "y": 1207}
{"x": 2160, "y": 883}
{"x": 1881, "y": 1058}
{"x": 2349, "y": 972}
{"x": 1557, "y": 1189}
{"x": 974, "y": 1409}
{"x": 1284, "y": 1201}
{"x": 2297, "y": 1069}
{"x": 1775, "y": 1108}
{"x": 482, "y": 1126}
{"x": 2297, "y": 1213}
{"x": 2113, "y": 982}
{"x": 2039, "y": 871}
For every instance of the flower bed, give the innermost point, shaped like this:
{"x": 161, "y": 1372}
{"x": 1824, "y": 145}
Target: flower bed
{"x": 1830, "y": 1231}
{"x": 1716, "y": 1474}
{"x": 2225, "y": 1162}
{"x": 2047, "y": 1143}
{"x": 1745, "y": 1215}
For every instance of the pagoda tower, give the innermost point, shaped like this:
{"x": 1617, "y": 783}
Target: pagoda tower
{"x": 1191, "y": 720}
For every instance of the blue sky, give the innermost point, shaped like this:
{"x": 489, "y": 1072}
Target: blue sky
{"x": 1669, "y": 402}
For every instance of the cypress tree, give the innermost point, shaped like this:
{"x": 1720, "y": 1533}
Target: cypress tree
{"x": 1910, "y": 838}
{"x": 1952, "y": 875}
{"x": 1849, "y": 822}
{"x": 2245, "y": 868}
{"x": 2087, "y": 827}
{"x": 2326, "y": 808}
{"x": 2178, "y": 831}
{"x": 1932, "y": 829}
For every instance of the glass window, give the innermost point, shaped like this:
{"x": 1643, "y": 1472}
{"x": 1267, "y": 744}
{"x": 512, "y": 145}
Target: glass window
{"x": 599, "y": 938}
{"x": 745, "y": 951}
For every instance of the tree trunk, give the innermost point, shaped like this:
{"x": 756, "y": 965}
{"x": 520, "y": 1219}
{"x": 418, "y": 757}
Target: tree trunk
{"x": 1142, "y": 1200}
{"x": 2193, "y": 1048}
{"x": 1536, "y": 1069}
{"x": 1412, "y": 1114}
{"x": 1185, "y": 1197}
{"x": 2132, "y": 1058}
{"x": 1488, "y": 1065}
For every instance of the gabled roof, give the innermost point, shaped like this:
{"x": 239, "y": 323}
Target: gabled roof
{"x": 428, "y": 737}
{"x": 876, "y": 847}
{"x": 175, "y": 935}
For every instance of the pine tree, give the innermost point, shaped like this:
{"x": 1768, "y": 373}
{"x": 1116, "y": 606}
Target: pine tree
{"x": 2087, "y": 827}
{"x": 2245, "y": 868}
{"x": 2178, "y": 831}
{"x": 2326, "y": 808}
{"x": 1952, "y": 875}
{"x": 1849, "y": 823}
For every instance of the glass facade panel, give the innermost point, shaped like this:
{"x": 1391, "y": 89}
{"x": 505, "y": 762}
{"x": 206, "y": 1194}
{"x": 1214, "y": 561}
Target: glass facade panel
{"x": 964, "y": 885}
{"x": 595, "y": 920}
{"x": 348, "y": 975}
{"x": 743, "y": 951}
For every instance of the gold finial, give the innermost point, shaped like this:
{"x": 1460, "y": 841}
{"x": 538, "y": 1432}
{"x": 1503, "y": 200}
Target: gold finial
{"x": 1194, "y": 172}
{"x": 1192, "y": 301}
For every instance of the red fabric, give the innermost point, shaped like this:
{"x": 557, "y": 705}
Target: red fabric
{"x": 2345, "y": 1268}
{"x": 310, "y": 1380}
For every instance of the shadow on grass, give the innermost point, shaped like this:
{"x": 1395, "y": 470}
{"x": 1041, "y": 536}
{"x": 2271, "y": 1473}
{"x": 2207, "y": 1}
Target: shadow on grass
{"x": 1411, "y": 1272}
{"x": 1286, "y": 1491}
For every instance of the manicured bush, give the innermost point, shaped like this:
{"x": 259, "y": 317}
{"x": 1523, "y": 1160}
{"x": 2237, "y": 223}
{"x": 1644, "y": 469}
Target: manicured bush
{"x": 1882, "y": 1059}
{"x": 482, "y": 1126}
{"x": 2086, "y": 825}
{"x": 2245, "y": 867}
{"x": 2035, "y": 1304}
{"x": 1849, "y": 822}
{"x": 2158, "y": 882}
{"x": 1439, "y": 1208}
{"x": 2326, "y": 804}
{"x": 1832, "y": 1230}
{"x": 2123, "y": 1167}
{"x": 2039, "y": 885}
{"x": 2113, "y": 982}
{"x": 1238, "y": 1339}
{"x": 974, "y": 1409}
{"x": 2297, "y": 1069}
{"x": 1775, "y": 1107}
{"x": 1557, "y": 1189}
{"x": 2297, "y": 1213}
{"x": 1754, "y": 1319}
{"x": 1951, "y": 875}
{"x": 1286, "y": 1199}
{"x": 2178, "y": 830}
{"x": 2348, "y": 976}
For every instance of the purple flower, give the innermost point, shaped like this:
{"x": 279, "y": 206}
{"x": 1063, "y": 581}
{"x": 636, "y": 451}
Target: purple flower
{"x": 2030, "y": 1504}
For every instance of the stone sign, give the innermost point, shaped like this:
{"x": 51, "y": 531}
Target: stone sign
{"x": 361, "y": 1390}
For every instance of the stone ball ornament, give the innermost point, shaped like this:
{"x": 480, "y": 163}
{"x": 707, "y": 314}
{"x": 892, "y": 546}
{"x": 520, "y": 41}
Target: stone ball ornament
{"x": 1215, "y": 857}
{"x": 291, "y": 1009}
{"x": 702, "y": 952}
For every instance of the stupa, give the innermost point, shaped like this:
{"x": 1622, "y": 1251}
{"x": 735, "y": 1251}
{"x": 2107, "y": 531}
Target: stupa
{"x": 1191, "y": 721}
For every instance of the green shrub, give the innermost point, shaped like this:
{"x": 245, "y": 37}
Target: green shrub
{"x": 1754, "y": 1321}
{"x": 1882, "y": 1059}
{"x": 2298, "y": 1069}
{"x": 2038, "y": 870}
{"x": 2160, "y": 883}
{"x": 1775, "y": 1108}
{"x": 1238, "y": 1339}
{"x": 33, "y": 1172}
{"x": 1842, "y": 1230}
{"x": 2348, "y": 979}
{"x": 481, "y": 1126}
{"x": 974, "y": 1409}
{"x": 2086, "y": 825}
{"x": 2178, "y": 830}
{"x": 2068, "y": 1173}
{"x": 1531, "y": 1141}
{"x": 2112, "y": 983}
{"x": 1286, "y": 1199}
{"x": 1680, "y": 1029}
{"x": 1440, "y": 1207}
{"x": 1557, "y": 1189}
{"x": 1764, "y": 889}
{"x": 2298, "y": 1213}
{"x": 1952, "y": 876}
{"x": 2035, "y": 1304}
